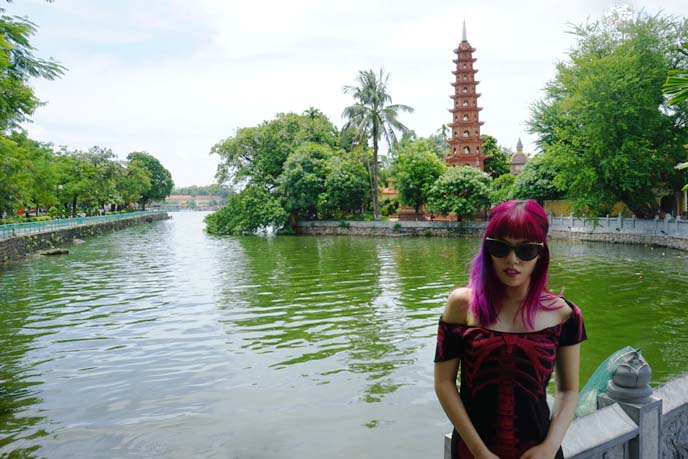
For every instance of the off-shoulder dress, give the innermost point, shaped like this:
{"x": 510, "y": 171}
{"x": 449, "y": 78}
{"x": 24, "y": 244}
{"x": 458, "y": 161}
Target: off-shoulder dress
{"x": 504, "y": 379}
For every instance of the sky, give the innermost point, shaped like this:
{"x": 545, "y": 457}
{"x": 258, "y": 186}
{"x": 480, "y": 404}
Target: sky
{"x": 174, "y": 78}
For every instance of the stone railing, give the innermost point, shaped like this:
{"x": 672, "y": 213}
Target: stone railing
{"x": 670, "y": 226}
{"x": 632, "y": 420}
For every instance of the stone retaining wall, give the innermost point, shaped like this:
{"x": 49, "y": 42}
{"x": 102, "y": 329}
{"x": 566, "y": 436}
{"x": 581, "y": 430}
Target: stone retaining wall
{"x": 21, "y": 246}
{"x": 643, "y": 232}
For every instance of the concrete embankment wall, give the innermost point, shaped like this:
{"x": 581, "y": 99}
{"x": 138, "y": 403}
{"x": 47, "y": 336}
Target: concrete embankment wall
{"x": 21, "y": 246}
{"x": 669, "y": 232}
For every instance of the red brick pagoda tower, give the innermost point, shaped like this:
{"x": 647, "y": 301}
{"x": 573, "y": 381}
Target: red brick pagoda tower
{"x": 465, "y": 142}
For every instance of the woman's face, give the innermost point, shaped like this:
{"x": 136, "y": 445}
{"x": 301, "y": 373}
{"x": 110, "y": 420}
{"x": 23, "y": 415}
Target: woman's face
{"x": 511, "y": 270}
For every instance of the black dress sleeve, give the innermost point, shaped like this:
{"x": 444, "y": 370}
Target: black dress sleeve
{"x": 449, "y": 342}
{"x": 573, "y": 330}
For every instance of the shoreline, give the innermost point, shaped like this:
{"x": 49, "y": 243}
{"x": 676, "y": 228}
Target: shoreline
{"x": 653, "y": 235}
{"x": 22, "y": 246}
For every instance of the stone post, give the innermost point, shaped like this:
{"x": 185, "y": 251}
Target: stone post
{"x": 630, "y": 388}
{"x": 619, "y": 221}
{"x": 667, "y": 220}
{"x": 571, "y": 220}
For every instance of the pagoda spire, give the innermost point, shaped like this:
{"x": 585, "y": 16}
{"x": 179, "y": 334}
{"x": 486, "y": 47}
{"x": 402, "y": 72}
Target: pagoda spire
{"x": 519, "y": 146}
{"x": 465, "y": 143}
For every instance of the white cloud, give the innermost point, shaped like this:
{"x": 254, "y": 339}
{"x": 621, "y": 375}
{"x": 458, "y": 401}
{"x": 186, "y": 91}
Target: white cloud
{"x": 174, "y": 77}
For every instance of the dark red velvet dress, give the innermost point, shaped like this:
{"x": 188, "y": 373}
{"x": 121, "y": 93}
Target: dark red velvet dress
{"x": 504, "y": 379}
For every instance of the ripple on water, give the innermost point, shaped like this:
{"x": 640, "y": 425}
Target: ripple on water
{"x": 161, "y": 340}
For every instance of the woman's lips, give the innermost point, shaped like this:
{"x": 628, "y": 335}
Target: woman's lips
{"x": 511, "y": 272}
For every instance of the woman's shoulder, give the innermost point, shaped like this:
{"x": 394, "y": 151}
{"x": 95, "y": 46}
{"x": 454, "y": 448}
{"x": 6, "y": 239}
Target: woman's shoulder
{"x": 564, "y": 308}
{"x": 458, "y": 308}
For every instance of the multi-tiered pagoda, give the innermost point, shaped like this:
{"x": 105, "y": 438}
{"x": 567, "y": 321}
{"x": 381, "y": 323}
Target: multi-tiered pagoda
{"x": 465, "y": 142}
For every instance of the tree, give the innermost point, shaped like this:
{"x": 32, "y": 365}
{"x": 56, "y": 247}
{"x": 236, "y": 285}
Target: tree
{"x": 17, "y": 66}
{"x": 134, "y": 182}
{"x": 676, "y": 84}
{"x": 501, "y": 188}
{"x": 497, "y": 162}
{"x": 303, "y": 179}
{"x": 161, "y": 183}
{"x": 462, "y": 190}
{"x": 604, "y": 121}
{"x": 256, "y": 155}
{"x": 251, "y": 210}
{"x": 374, "y": 115}
{"x": 537, "y": 181}
{"x": 346, "y": 187}
{"x": 13, "y": 164}
{"x": 414, "y": 171}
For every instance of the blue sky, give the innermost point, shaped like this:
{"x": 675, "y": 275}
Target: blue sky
{"x": 175, "y": 77}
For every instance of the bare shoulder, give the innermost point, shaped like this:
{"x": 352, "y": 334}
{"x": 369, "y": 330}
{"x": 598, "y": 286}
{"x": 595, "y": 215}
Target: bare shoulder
{"x": 458, "y": 306}
{"x": 560, "y": 307}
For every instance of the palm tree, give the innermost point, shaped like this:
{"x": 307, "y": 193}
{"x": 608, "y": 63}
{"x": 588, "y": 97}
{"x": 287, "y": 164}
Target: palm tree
{"x": 676, "y": 86}
{"x": 372, "y": 116}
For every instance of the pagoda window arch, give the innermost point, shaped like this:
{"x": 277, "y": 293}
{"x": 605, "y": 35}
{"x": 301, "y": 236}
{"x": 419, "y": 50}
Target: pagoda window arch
{"x": 466, "y": 133}
{"x": 466, "y": 150}
{"x": 465, "y": 103}
{"x": 465, "y": 117}
{"x": 464, "y": 65}
{"x": 465, "y": 77}
{"x": 465, "y": 89}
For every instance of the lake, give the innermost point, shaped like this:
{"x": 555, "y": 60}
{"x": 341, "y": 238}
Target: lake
{"x": 163, "y": 341}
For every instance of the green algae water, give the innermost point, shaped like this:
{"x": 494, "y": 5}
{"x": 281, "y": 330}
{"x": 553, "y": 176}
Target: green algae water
{"x": 163, "y": 341}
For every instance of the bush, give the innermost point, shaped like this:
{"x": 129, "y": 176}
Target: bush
{"x": 389, "y": 206}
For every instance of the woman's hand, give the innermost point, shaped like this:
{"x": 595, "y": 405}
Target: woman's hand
{"x": 541, "y": 451}
{"x": 487, "y": 455}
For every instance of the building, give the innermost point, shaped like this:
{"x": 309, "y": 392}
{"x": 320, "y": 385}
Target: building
{"x": 518, "y": 159}
{"x": 465, "y": 142}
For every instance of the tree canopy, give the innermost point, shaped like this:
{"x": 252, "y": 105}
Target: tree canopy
{"x": 460, "y": 190}
{"x": 414, "y": 171}
{"x": 604, "y": 122}
{"x": 497, "y": 162}
{"x": 161, "y": 183}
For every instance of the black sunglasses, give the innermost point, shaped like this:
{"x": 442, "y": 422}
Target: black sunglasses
{"x": 525, "y": 251}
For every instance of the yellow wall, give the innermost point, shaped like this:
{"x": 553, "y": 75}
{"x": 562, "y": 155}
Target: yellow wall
{"x": 563, "y": 207}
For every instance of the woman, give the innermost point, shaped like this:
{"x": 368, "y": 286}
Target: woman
{"x": 509, "y": 332}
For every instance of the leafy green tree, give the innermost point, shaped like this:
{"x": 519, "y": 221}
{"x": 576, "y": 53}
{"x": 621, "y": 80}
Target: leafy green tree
{"x": 415, "y": 171}
{"x": 676, "y": 84}
{"x": 134, "y": 182}
{"x": 161, "y": 183}
{"x": 462, "y": 190}
{"x": 14, "y": 181}
{"x": 537, "y": 181}
{"x": 501, "y": 188}
{"x": 439, "y": 140}
{"x": 251, "y": 210}
{"x": 374, "y": 115}
{"x": 39, "y": 188}
{"x": 256, "y": 155}
{"x": 604, "y": 121}
{"x": 303, "y": 179}
{"x": 17, "y": 66}
{"x": 497, "y": 161}
{"x": 347, "y": 187}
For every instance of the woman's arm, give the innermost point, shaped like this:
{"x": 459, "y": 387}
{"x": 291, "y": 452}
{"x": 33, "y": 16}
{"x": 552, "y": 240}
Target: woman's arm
{"x": 448, "y": 395}
{"x": 565, "y": 402}
{"x": 457, "y": 311}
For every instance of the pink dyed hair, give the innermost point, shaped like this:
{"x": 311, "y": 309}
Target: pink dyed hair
{"x": 517, "y": 220}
